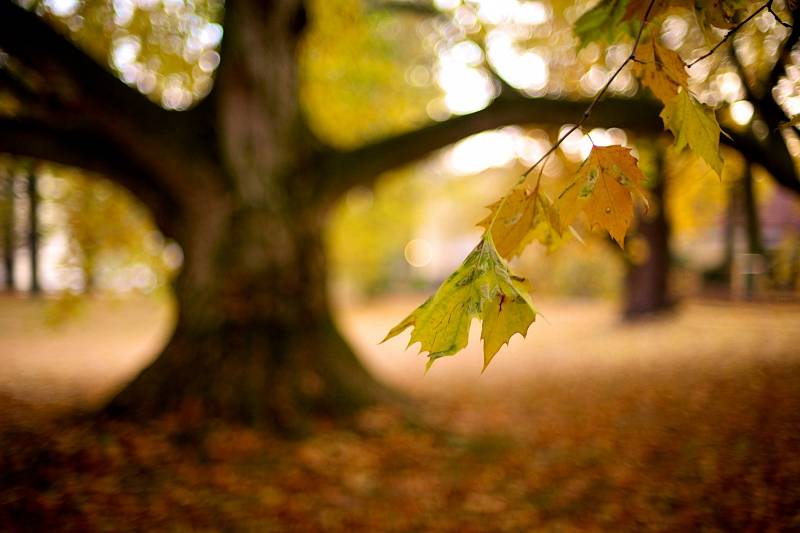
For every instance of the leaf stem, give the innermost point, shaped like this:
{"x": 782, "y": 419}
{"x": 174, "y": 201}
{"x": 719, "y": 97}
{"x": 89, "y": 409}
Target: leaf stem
{"x": 777, "y": 18}
{"x": 587, "y": 113}
{"x": 767, "y": 6}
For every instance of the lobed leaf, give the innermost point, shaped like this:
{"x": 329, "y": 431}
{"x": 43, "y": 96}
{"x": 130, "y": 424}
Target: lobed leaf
{"x": 604, "y": 189}
{"x": 694, "y": 125}
{"x": 482, "y": 287}
{"x": 524, "y": 216}
{"x": 604, "y": 22}
{"x": 660, "y": 69}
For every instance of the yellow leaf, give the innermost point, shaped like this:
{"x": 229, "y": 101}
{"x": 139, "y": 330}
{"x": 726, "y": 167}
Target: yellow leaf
{"x": 525, "y": 216}
{"x": 660, "y": 69}
{"x": 514, "y": 221}
{"x": 482, "y": 287}
{"x": 503, "y": 317}
{"x": 604, "y": 190}
{"x": 694, "y": 124}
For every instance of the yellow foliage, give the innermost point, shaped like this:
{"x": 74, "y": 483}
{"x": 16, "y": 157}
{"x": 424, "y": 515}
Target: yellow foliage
{"x": 604, "y": 191}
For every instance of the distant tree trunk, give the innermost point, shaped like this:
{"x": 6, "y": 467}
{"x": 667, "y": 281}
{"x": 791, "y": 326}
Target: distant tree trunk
{"x": 720, "y": 276}
{"x": 33, "y": 231}
{"x": 755, "y": 243}
{"x": 7, "y": 213}
{"x": 647, "y": 283}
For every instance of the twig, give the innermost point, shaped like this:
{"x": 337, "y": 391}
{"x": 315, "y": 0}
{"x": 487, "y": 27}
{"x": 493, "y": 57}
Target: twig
{"x": 733, "y": 30}
{"x": 598, "y": 96}
{"x": 777, "y": 18}
{"x": 586, "y": 113}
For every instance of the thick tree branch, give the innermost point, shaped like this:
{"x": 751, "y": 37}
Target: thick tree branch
{"x": 346, "y": 169}
{"x": 423, "y": 8}
{"x": 771, "y": 154}
{"x": 76, "y": 84}
{"x": 83, "y": 149}
{"x": 72, "y": 77}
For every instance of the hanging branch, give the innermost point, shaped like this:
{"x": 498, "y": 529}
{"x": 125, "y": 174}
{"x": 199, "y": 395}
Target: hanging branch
{"x": 767, "y": 6}
{"x": 588, "y": 111}
{"x": 586, "y": 114}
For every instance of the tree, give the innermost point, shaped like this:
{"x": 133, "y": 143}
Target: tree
{"x": 241, "y": 183}
{"x": 33, "y": 230}
{"x": 647, "y": 278}
{"x": 7, "y": 226}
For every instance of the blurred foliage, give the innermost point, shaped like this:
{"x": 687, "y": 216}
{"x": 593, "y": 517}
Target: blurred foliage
{"x": 368, "y": 70}
{"x": 167, "y": 49}
{"x": 107, "y": 239}
{"x": 353, "y": 61}
{"x": 94, "y": 235}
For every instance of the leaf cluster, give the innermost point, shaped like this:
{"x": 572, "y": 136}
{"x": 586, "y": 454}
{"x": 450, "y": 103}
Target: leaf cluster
{"x": 603, "y": 190}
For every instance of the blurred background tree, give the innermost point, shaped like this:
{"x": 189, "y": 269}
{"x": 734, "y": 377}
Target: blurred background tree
{"x": 254, "y": 141}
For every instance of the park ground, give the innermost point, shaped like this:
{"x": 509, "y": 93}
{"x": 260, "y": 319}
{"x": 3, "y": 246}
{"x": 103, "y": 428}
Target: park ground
{"x": 684, "y": 423}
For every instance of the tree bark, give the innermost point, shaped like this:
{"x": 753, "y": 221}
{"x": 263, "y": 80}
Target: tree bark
{"x": 33, "y": 231}
{"x": 7, "y": 212}
{"x": 647, "y": 282}
{"x": 255, "y": 340}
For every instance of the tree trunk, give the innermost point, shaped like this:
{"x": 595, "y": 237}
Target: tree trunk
{"x": 647, "y": 282}
{"x": 33, "y": 231}
{"x": 255, "y": 341}
{"x": 7, "y": 214}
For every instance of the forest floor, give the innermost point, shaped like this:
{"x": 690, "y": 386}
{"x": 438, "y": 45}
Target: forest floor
{"x": 689, "y": 422}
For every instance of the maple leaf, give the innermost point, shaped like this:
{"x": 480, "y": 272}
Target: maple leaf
{"x": 660, "y": 69}
{"x": 525, "y": 216}
{"x": 482, "y": 287}
{"x": 604, "y": 189}
{"x": 603, "y": 22}
{"x": 694, "y": 124}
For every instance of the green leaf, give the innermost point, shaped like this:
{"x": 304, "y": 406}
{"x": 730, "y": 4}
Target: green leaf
{"x": 604, "y": 22}
{"x": 483, "y": 288}
{"x": 694, "y": 124}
